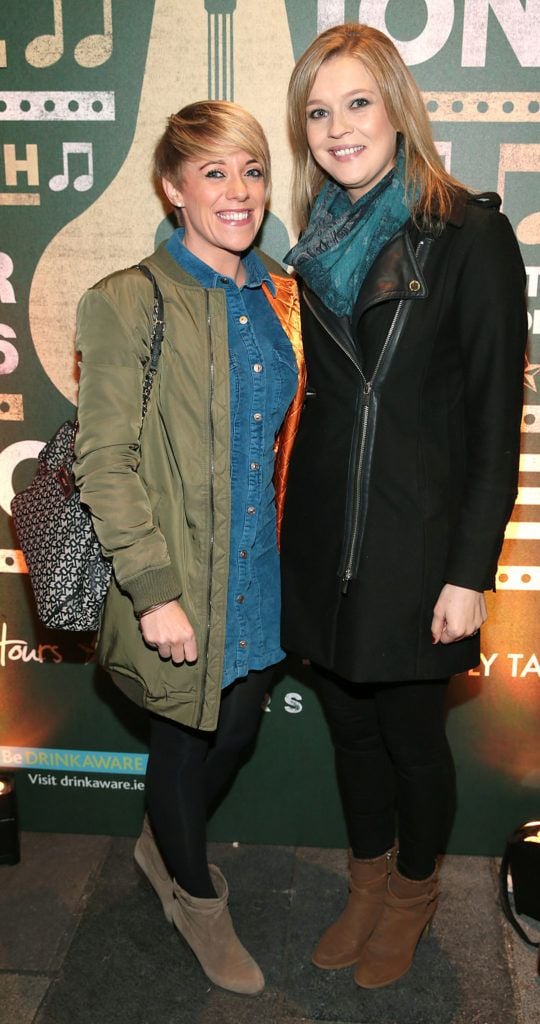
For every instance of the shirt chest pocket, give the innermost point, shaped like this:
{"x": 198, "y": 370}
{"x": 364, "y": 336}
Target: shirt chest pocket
{"x": 284, "y": 375}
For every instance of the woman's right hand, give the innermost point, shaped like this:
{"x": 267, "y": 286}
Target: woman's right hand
{"x": 169, "y": 630}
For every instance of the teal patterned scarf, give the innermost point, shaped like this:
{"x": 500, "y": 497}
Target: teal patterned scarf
{"x": 342, "y": 238}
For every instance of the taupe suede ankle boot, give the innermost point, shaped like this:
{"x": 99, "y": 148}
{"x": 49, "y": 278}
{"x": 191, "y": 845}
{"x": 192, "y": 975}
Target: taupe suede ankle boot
{"x": 207, "y": 927}
{"x": 150, "y": 861}
{"x": 342, "y": 943}
{"x": 408, "y": 909}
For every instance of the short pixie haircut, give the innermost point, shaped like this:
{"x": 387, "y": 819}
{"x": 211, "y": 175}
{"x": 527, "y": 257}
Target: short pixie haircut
{"x": 209, "y": 127}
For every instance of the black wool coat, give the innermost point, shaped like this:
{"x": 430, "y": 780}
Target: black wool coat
{"x": 404, "y": 471}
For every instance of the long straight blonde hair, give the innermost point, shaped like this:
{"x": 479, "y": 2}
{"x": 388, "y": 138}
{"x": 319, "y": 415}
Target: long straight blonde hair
{"x": 425, "y": 176}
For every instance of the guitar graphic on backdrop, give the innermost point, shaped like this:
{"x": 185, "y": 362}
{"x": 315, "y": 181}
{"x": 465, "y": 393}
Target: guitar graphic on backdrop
{"x": 108, "y": 235}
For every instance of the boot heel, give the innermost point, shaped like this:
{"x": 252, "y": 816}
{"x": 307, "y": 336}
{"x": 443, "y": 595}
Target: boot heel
{"x": 167, "y": 909}
{"x": 150, "y": 863}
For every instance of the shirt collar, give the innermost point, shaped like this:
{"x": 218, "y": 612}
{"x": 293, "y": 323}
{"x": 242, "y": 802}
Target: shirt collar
{"x": 256, "y": 272}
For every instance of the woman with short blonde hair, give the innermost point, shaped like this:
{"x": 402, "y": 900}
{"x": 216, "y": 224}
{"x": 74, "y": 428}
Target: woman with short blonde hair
{"x": 210, "y": 127}
{"x": 183, "y": 503}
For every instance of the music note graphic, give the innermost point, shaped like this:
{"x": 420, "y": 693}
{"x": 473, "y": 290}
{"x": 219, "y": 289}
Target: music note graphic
{"x": 45, "y": 50}
{"x": 516, "y": 157}
{"x": 83, "y": 181}
{"x": 94, "y": 50}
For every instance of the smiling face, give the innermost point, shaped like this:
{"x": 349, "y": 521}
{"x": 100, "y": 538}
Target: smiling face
{"x": 348, "y": 131}
{"x": 223, "y": 199}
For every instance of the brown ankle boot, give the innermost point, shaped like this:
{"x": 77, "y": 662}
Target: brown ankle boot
{"x": 342, "y": 943}
{"x": 408, "y": 909}
{"x": 150, "y": 861}
{"x": 207, "y": 927}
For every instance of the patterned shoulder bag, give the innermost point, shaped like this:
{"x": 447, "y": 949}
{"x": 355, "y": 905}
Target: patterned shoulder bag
{"x": 69, "y": 574}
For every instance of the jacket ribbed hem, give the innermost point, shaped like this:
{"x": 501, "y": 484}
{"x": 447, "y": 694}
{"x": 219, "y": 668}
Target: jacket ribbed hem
{"x": 152, "y": 587}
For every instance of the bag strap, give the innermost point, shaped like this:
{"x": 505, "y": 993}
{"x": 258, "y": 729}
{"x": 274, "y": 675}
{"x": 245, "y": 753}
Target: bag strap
{"x": 505, "y": 902}
{"x": 158, "y": 328}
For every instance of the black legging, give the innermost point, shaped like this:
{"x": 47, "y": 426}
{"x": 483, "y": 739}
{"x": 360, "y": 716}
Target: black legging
{"x": 393, "y": 762}
{"x": 188, "y": 769}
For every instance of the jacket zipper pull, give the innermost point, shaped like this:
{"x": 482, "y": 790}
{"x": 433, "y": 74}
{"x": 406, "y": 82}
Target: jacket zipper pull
{"x": 345, "y": 582}
{"x": 367, "y": 392}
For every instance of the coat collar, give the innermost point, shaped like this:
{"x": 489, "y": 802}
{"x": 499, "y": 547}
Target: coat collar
{"x": 395, "y": 274}
{"x": 167, "y": 265}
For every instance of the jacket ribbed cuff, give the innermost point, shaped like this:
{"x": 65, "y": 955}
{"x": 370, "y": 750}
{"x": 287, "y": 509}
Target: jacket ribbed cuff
{"x": 152, "y": 587}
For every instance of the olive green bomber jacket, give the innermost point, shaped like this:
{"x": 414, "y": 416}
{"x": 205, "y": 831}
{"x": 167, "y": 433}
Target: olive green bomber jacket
{"x": 161, "y": 509}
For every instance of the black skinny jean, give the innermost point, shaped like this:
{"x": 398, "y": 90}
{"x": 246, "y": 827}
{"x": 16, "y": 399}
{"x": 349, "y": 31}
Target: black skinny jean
{"x": 394, "y": 766}
{"x": 189, "y": 769}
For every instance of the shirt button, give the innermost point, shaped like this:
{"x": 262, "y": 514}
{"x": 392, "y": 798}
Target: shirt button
{"x": 257, "y": 367}
{"x": 257, "y": 416}
{"x": 243, "y": 553}
{"x": 251, "y": 510}
{"x": 240, "y": 599}
{"x": 242, "y": 644}
{"x": 254, "y": 465}
{"x": 224, "y": 280}
{"x": 242, "y": 319}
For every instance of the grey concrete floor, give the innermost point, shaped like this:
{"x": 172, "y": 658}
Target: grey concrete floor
{"x": 83, "y": 941}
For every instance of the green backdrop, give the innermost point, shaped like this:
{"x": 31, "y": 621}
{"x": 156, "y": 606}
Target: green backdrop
{"x": 85, "y": 87}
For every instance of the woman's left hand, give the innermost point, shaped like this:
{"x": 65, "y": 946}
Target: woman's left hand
{"x": 459, "y": 613}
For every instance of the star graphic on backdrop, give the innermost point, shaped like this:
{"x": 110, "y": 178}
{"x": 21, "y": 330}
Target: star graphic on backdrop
{"x": 531, "y": 369}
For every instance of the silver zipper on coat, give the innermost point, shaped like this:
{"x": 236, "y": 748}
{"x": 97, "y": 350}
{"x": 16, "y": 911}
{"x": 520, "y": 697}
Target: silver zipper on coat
{"x": 355, "y": 523}
{"x": 211, "y": 541}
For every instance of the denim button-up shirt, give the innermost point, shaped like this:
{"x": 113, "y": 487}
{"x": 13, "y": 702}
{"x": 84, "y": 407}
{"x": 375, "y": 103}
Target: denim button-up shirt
{"x": 263, "y": 376}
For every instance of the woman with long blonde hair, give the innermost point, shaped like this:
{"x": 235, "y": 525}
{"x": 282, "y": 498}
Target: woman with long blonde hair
{"x": 414, "y": 327}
